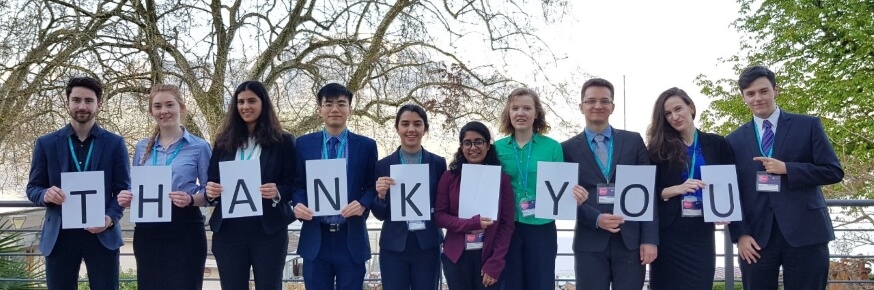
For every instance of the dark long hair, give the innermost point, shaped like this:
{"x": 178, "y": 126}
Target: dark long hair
{"x": 415, "y": 109}
{"x": 491, "y": 155}
{"x": 664, "y": 143}
{"x": 234, "y": 133}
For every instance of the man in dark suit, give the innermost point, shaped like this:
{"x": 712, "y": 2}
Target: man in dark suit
{"x": 607, "y": 248}
{"x": 785, "y": 219}
{"x": 336, "y": 246}
{"x": 91, "y": 149}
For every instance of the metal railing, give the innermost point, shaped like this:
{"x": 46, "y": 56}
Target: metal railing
{"x": 728, "y": 248}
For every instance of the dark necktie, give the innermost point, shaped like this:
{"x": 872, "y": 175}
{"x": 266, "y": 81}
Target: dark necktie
{"x": 332, "y": 147}
{"x": 767, "y": 137}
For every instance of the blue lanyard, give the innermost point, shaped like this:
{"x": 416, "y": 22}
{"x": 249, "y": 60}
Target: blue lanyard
{"x": 523, "y": 176}
{"x": 604, "y": 169}
{"x": 169, "y": 159}
{"x": 242, "y": 151}
{"x": 759, "y": 140}
{"x": 401, "y": 156}
{"x": 76, "y": 159}
{"x": 342, "y": 137}
{"x": 694, "y": 156}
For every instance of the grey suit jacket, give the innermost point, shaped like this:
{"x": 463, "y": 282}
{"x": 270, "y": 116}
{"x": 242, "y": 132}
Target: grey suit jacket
{"x": 628, "y": 149}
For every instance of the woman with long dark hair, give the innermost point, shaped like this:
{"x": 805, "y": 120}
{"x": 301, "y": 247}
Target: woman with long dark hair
{"x": 475, "y": 248}
{"x": 252, "y": 131}
{"x": 687, "y": 254}
{"x": 172, "y": 255}
{"x": 409, "y": 252}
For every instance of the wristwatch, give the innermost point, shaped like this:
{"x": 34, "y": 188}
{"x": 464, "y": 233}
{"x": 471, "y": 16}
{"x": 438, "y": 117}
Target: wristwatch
{"x": 191, "y": 198}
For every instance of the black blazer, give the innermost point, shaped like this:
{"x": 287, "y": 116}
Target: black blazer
{"x": 394, "y": 233}
{"x": 716, "y": 152}
{"x": 277, "y": 166}
{"x": 628, "y": 149}
{"x": 799, "y": 206}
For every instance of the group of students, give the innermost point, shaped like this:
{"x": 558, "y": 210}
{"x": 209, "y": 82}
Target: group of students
{"x": 788, "y": 226}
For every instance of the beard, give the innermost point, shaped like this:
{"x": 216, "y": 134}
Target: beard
{"x": 82, "y": 117}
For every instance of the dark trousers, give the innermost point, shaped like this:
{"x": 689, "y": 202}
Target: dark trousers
{"x": 465, "y": 275}
{"x": 240, "y": 246}
{"x": 617, "y": 264}
{"x": 414, "y": 268}
{"x": 531, "y": 258}
{"x": 170, "y": 256}
{"x": 72, "y": 246}
{"x": 334, "y": 261}
{"x": 804, "y": 267}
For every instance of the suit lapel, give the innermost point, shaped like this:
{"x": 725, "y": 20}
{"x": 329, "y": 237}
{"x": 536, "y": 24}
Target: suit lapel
{"x": 617, "y": 150}
{"x": 63, "y": 147}
{"x": 98, "y": 149}
{"x": 588, "y": 155}
{"x": 782, "y": 131}
{"x": 752, "y": 138}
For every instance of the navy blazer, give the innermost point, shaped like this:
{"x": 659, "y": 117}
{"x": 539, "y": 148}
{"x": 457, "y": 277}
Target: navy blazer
{"x": 628, "y": 149}
{"x": 716, "y": 152}
{"x": 277, "y": 166}
{"x": 361, "y": 185}
{"x": 799, "y": 206}
{"x": 393, "y": 236}
{"x": 51, "y": 156}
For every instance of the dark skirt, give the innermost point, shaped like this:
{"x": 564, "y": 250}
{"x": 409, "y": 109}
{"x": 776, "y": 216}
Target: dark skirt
{"x": 686, "y": 256}
{"x": 170, "y": 256}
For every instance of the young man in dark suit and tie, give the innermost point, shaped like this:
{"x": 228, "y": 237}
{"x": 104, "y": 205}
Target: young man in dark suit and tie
{"x": 336, "y": 247}
{"x": 607, "y": 249}
{"x": 782, "y": 161}
{"x": 80, "y": 146}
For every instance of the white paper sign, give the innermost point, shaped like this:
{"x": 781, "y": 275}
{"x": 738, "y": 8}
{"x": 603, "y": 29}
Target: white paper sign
{"x": 241, "y": 196}
{"x": 327, "y": 192}
{"x": 411, "y": 193}
{"x": 555, "y": 195}
{"x": 721, "y": 197}
{"x": 151, "y": 187}
{"x": 85, "y": 202}
{"x": 480, "y": 191}
{"x": 635, "y": 192}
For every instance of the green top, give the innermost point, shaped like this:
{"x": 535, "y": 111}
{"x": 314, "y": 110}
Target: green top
{"x": 544, "y": 149}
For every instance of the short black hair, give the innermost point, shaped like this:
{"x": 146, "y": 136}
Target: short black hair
{"x": 597, "y": 82}
{"x": 751, "y": 74}
{"x": 415, "y": 109}
{"x": 85, "y": 82}
{"x": 332, "y": 91}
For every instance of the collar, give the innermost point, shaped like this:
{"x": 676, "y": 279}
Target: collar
{"x": 775, "y": 116}
{"x": 534, "y": 139}
{"x": 590, "y": 135}
{"x": 92, "y": 133}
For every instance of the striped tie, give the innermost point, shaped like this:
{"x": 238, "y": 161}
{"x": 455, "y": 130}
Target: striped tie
{"x": 767, "y": 137}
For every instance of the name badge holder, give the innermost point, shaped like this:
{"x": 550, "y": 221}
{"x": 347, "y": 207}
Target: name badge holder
{"x": 766, "y": 182}
{"x": 474, "y": 240}
{"x": 692, "y": 207}
{"x": 606, "y": 193}
{"x": 527, "y": 207}
{"x": 415, "y": 225}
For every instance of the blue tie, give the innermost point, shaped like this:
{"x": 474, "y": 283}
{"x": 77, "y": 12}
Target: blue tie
{"x": 767, "y": 137}
{"x": 332, "y": 153}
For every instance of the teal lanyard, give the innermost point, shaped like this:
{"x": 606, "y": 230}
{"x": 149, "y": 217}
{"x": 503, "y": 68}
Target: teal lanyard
{"x": 694, "y": 156}
{"x": 169, "y": 159}
{"x": 401, "y": 156}
{"x": 604, "y": 169}
{"x": 523, "y": 175}
{"x": 325, "y": 137}
{"x": 243, "y": 151}
{"x": 759, "y": 140}
{"x": 76, "y": 158}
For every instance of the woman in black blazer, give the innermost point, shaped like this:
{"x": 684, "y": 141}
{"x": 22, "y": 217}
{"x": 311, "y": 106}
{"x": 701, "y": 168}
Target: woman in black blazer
{"x": 687, "y": 254}
{"x": 409, "y": 252}
{"x": 252, "y": 131}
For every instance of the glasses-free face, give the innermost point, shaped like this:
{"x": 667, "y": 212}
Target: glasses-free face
{"x": 82, "y": 105}
{"x": 411, "y": 129}
{"x": 249, "y": 105}
{"x": 679, "y": 114}
{"x": 759, "y": 97}
{"x": 165, "y": 110}
{"x": 474, "y": 148}
{"x": 522, "y": 113}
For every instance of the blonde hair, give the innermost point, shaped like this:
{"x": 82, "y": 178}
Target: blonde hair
{"x": 157, "y": 89}
{"x": 540, "y": 125}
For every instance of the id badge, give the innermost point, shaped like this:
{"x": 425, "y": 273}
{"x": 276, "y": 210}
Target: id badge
{"x": 415, "y": 225}
{"x": 767, "y": 182}
{"x": 692, "y": 207}
{"x": 474, "y": 240}
{"x": 606, "y": 193}
{"x": 527, "y": 207}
